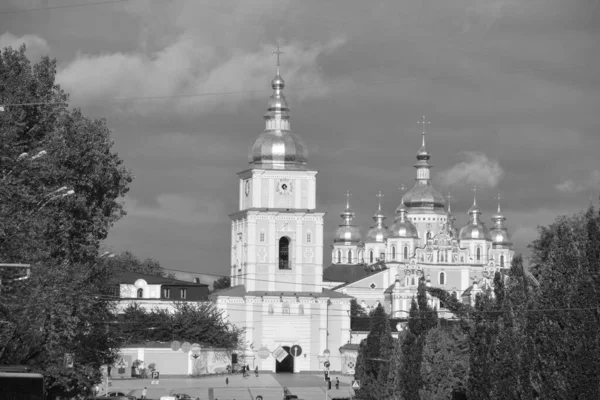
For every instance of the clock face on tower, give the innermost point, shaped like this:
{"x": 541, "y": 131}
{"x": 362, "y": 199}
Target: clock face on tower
{"x": 285, "y": 187}
{"x": 247, "y": 187}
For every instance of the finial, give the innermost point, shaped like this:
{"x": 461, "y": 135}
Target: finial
{"x": 347, "y": 199}
{"x": 498, "y": 198}
{"x": 423, "y": 122}
{"x": 278, "y": 52}
{"x": 379, "y": 195}
{"x": 449, "y": 197}
{"x": 474, "y": 195}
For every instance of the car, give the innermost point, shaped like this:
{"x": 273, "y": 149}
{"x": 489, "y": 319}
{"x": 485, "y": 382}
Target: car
{"x": 183, "y": 396}
{"x": 115, "y": 394}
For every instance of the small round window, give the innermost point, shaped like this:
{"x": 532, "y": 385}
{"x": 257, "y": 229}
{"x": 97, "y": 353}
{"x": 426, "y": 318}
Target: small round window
{"x": 372, "y": 286}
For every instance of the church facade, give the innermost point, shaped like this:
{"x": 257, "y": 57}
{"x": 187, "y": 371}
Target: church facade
{"x": 422, "y": 241}
{"x": 277, "y": 291}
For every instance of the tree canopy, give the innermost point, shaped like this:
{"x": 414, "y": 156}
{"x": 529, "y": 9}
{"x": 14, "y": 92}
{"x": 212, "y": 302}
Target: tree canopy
{"x": 61, "y": 186}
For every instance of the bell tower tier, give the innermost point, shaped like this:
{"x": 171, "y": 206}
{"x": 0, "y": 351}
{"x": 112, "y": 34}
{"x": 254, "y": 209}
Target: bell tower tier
{"x": 277, "y": 236}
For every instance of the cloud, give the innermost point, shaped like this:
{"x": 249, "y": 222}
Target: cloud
{"x": 592, "y": 182}
{"x": 477, "y": 170}
{"x": 36, "y": 46}
{"x": 178, "y": 208}
{"x": 188, "y": 67}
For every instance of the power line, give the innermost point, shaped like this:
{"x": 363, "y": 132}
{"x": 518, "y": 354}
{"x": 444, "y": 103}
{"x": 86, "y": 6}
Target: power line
{"x": 63, "y": 7}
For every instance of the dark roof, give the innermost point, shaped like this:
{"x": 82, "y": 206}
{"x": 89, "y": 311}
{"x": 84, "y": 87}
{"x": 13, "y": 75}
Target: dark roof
{"x": 350, "y": 346}
{"x": 344, "y": 273}
{"x": 128, "y": 277}
{"x": 240, "y": 291}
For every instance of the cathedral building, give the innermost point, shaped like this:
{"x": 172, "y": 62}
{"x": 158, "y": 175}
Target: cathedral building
{"x": 280, "y": 293}
{"x": 422, "y": 241}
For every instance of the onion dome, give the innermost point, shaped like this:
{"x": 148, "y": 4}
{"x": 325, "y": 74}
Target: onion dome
{"x": 499, "y": 233}
{"x": 402, "y": 227}
{"x": 347, "y": 233}
{"x": 474, "y": 228}
{"x": 378, "y": 232}
{"x": 423, "y": 194}
{"x": 277, "y": 147}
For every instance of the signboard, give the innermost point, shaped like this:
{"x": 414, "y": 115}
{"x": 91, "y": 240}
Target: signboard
{"x": 280, "y": 354}
{"x": 355, "y": 384}
{"x": 155, "y": 375}
{"x": 195, "y": 349}
{"x": 154, "y": 382}
{"x": 264, "y": 352}
{"x": 326, "y": 353}
{"x": 259, "y": 397}
{"x": 175, "y": 345}
{"x": 350, "y": 372}
{"x": 327, "y": 364}
{"x": 296, "y": 350}
{"x": 185, "y": 347}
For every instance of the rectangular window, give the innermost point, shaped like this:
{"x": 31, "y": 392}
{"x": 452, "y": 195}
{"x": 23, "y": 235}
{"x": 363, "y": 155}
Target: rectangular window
{"x": 262, "y": 237}
{"x": 183, "y": 293}
{"x": 167, "y": 293}
{"x": 308, "y": 237}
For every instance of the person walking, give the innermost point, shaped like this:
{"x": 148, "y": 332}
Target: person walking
{"x": 144, "y": 393}
{"x": 337, "y": 382}
{"x": 256, "y": 371}
{"x": 226, "y": 381}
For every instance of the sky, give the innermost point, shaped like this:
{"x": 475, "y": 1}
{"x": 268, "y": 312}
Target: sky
{"x": 511, "y": 88}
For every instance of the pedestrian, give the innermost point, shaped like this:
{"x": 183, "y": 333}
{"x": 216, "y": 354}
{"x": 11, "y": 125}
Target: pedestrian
{"x": 229, "y": 369}
{"x": 144, "y": 393}
{"x": 256, "y": 371}
{"x": 337, "y": 382}
{"x": 227, "y": 381}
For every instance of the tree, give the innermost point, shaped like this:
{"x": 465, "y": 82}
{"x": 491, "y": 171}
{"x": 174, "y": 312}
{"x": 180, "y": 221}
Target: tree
{"x": 445, "y": 364}
{"x": 223, "y": 282}
{"x": 421, "y": 319}
{"x": 127, "y": 261}
{"x": 60, "y": 190}
{"x": 356, "y": 310}
{"x": 373, "y": 359}
{"x": 190, "y": 322}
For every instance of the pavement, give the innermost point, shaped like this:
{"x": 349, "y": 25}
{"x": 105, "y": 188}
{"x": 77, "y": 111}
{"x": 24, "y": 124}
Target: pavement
{"x": 269, "y": 386}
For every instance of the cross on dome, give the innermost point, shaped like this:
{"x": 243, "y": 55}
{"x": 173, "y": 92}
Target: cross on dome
{"x": 347, "y": 199}
{"x": 474, "y": 195}
{"x": 278, "y": 52}
{"x": 423, "y": 122}
{"x": 379, "y": 196}
{"x": 449, "y": 197}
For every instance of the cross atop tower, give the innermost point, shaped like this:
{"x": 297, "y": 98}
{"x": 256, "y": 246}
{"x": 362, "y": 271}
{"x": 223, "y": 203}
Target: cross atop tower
{"x": 347, "y": 199}
{"x": 474, "y": 195}
{"x": 379, "y": 196}
{"x": 423, "y": 122}
{"x": 449, "y": 197}
{"x": 498, "y": 198}
{"x": 278, "y": 52}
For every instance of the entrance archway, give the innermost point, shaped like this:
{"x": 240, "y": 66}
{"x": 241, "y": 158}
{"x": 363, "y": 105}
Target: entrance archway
{"x": 287, "y": 365}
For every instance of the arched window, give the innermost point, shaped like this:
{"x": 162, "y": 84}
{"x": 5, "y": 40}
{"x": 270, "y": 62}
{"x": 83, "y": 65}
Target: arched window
{"x": 270, "y": 308}
{"x": 455, "y": 295}
{"x": 284, "y": 253}
{"x": 405, "y": 252}
{"x": 501, "y": 261}
{"x": 393, "y": 252}
{"x": 412, "y": 281}
{"x": 140, "y": 293}
{"x": 478, "y": 254}
{"x": 349, "y": 256}
{"x": 339, "y": 257}
{"x": 428, "y": 235}
{"x": 301, "y": 309}
{"x": 442, "y": 278}
{"x": 286, "y": 308}
{"x": 371, "y": 257}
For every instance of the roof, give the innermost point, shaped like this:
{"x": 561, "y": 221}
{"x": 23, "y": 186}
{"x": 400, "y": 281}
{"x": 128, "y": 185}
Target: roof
{"x": 350, "y": 346}
{"x": 344, "y": 273}
{"x": 128, "y": 277}
{"x": 235, "y": 291}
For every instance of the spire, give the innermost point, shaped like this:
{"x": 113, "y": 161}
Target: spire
{"x": 347, "y": 215}
{"x": 379, "y": 216}
{"x": 423, "y": 167}
{"x": 474, "y": 211}
{"x": 423, "y": 150}
{"x": 499, "y": 233}
{"x": 449, "y": 197}
{"x": 278, "y": 113}
{"x": 499, "y": 218}
{"x": 278, "y": 52}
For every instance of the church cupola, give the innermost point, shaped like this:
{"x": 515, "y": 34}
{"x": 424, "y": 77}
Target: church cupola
{"x": 423, "y": 194}
{"x": 402, "y": 227}
{"x": 499, "y": 233}
{"x": 378, "y": 232}
{"x": 474, "y": 228}
{"x": 278, "y": 147}
{"x": 347, "y": 233}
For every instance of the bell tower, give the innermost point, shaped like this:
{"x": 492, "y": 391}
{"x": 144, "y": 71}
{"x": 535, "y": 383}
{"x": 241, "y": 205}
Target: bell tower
{"x": 277, "y": 235}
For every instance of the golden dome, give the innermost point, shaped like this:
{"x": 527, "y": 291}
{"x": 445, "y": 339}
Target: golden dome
{"x": 499, "y": 233}
{"x": 277, "y": 146}
{"x": 347, "y": 233}
{"x": 474, "y": 228}
{"x": 402, "y": 227}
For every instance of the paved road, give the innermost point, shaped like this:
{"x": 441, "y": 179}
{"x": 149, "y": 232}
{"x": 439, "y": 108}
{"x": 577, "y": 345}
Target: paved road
{"x": 269, "y": 386}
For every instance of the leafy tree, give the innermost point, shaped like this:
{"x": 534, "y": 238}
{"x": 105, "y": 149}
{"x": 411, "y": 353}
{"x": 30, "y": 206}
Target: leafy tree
{"x": 374, "y": 357}
{"x": 421, "y": 319}
{"x": 60, "y": 185}
{"x": 127, "y": 261}
{"x": 223, "y": 282}
{"x": 445, "y": 364}
{"x": 191, "y": 322}
{"x": 356, "y": 309}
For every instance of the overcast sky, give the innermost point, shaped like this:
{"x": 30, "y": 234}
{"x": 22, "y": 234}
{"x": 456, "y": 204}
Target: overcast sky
{"x": 511, "y": 88}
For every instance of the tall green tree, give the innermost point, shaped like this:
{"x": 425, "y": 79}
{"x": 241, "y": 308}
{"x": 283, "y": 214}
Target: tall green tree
{"x": 61, "y": 186}
{"x": 223, "y": 282}
{"x": 374, "y": 358}
{"x": 127, "y": 261}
